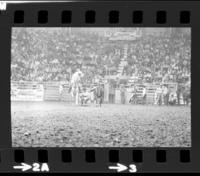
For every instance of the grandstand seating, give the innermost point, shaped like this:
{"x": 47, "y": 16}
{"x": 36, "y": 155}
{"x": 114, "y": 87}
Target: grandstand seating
{"x": 37, "y": 55}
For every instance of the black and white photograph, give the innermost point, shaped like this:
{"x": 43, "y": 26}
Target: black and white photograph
{"x": 100, "y": 87}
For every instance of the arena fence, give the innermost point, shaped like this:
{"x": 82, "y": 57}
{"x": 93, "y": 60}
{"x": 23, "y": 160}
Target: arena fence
{"x": 118, "y": 96}
{"x": 59, "y": 91}
{"x": 27, "y": 91}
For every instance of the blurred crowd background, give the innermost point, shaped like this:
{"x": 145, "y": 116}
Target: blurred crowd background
{"x": 53, "y": 54}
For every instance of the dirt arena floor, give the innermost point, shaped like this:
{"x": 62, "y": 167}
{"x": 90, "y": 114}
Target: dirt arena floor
{"x": 59, "y": 124}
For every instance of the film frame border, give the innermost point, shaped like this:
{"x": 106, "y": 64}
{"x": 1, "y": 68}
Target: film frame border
{"x": 153, "y": 159}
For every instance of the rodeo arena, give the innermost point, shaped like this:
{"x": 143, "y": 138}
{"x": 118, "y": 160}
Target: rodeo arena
{"x": 101, "y": 87}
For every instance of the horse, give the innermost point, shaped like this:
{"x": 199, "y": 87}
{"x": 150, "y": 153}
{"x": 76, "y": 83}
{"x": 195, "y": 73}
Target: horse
{"x": 76, "y": 85}
{"x": 186, "y": 95}
{"x": 133, "y": 99}
{"x": 98, "y": 95}
{"x": 94, "y": 95}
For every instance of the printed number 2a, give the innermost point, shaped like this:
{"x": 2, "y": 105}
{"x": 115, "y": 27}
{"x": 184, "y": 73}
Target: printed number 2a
{"x": 132, "y": 168}
{"x": 44, "y": 167}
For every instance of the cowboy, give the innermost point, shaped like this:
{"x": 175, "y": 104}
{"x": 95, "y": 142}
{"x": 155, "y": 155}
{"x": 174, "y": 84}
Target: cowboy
{"x": 75, "y": 86}
{"x": 178, "y": 93}
{"x": 186, "y": 94}
{"x": 172, "y": 98}
{"x": 99, "y": 94}
{"x": 165, "y": 94}
{"x": 158, "y": 95}
{"x": 85, "y": 96}
{"x": 144, "y": 94}
{"x": 92, "y": 91}
{"x": 122, "y": 93}
{"x": 76, "y": 77}
{"x": 134, "y": 94}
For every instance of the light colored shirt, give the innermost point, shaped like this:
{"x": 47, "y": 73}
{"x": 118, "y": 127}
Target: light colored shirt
{"x": 144, "y": 92}
{"x": 165, "y": 91}
{"x": 159, "y": 90}
{"x": 76, "y": 77}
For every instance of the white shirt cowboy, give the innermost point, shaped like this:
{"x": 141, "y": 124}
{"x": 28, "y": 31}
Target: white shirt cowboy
{"x": 165, "y": 91}
{"x": 76, "y": 77}
{"x": 158, "y": 93}
{"x": 173, "y": 97}
{"x": 76, "y": 85}
{"x": 144, "y": 91}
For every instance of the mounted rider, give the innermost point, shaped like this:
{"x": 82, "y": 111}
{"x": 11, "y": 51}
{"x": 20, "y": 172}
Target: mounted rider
{"x": 133, "y": 98}
{"x": 76, "y": 84}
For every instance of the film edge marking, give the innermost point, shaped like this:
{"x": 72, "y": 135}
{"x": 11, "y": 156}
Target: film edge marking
{"x": 3, "y": 5}
{"x": 35, "y": 167}
{"x": 120, "y": 168}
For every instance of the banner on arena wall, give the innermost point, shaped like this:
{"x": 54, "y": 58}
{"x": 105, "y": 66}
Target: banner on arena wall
{"x": 32, "y": 93}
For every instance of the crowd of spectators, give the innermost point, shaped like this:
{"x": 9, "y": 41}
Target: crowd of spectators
{"x": 160, "y": 59}
{"x": 42, "y": 55}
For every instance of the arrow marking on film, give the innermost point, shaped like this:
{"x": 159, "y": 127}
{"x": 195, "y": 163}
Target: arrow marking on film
{"x": 23, "y": 166}
{"x": 119, "y": 167}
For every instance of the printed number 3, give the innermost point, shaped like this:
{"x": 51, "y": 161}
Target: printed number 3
{"x": 132, "y": 168}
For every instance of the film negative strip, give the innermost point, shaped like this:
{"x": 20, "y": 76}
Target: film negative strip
{"x": 99, "y": 86}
